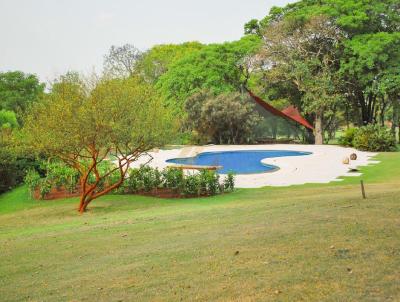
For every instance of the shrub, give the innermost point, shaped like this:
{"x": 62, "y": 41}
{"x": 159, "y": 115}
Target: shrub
{"x": 347, "y": 138}
{"x": 226, "y": 118}
{"x": 151, "y": 178}
{"x": 204, "y": 182}
{"x": 173, "y": 178}
{"x": 32, "y": 180}
{"x": 191, "y": 184}
{"x": 134, "y": 182}
{"x": 44, "y": 186}
{"x": 145, "y": 179}
{"x": 374, "y": 138}
{"x": 209, "y": 182}
{"x": 60, "y": 175}
{"x": 229, "y": 182}
{"x": 213, "y": 183}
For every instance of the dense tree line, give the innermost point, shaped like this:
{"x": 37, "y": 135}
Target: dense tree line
{"x": 357, "y": 72}
{"x": 17, "y": 92}
{"x": 336, "y": 61}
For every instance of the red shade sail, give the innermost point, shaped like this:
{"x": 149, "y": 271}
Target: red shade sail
{"x": 289, "y": 113}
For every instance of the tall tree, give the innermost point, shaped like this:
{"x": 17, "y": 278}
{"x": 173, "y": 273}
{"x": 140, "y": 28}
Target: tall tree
{"x": 121, "y": 60}
{"x": 10, "y": 173}
{"x": 84, "y": 126}
{"x": 18, "y": 90}
{"x": 8, "y": 119}
{"x": 305, "y": 54}
{"x": 369, "y": 62}
{"x": 157, "y": 60}
{"x": 219, "y": 68}
{"x": 365, "y": 24}
{"x": 224, "y": 119}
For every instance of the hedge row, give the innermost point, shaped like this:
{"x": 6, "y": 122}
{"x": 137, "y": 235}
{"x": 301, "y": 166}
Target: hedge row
{"x": 144, "y": 179}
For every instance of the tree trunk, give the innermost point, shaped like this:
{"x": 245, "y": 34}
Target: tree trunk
{"x": 347, "y": 117}
{"x": 395, "y": 117}
{"x": 319, "y": 138}
{"x": 367, "y": 104}
{"x": 309, "y": 136}
{"x": 86, "y": 198}
{"x": 382, "y": 113}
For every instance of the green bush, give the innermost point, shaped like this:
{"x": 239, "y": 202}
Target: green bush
{"x": 60, "y": 175}
{"x": 191, "y": 184}
{"x": 203, "y": 183}
{"x": 144, "y": 179}
{"x": 173, "y": 178}
{"x": 151, "y": 178}
{"x": 374, "y": 138}
{"x": 134, "y": 182}
{"x": 209, "y": 182}
{"x": 32, "y": 180}
{"x": 348, "y": 137}
{"x": 45, "y": 186}
{"x": 229, "y": 182}
{"x": 57, "y": 175}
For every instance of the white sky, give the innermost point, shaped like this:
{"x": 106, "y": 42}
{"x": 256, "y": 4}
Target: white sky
{"x": 50, "y": 37}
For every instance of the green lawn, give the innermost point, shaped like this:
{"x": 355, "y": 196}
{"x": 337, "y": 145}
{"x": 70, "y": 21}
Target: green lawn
{"x": 302, "y": 243}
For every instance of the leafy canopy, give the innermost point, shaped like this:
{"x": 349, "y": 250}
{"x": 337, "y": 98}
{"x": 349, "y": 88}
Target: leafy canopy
{"x": 219, "y": 68}
{"x": 157, "y": 60}
{"x": 227, "y": 118}
{"x": 84, "y": 125}
{"x": 18, "y": 90}
{"x": 8, "y": 119}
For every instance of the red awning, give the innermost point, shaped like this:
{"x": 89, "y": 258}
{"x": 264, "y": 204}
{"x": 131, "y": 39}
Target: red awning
{"x": 295, "y": 115}
{"x": 289, "y": 113}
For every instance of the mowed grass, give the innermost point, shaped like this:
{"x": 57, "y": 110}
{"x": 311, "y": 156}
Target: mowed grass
{"x": 303, "y": 243}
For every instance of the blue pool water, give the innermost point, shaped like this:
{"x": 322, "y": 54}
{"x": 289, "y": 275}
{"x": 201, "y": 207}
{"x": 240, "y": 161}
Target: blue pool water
{"x": 239, "y": 162}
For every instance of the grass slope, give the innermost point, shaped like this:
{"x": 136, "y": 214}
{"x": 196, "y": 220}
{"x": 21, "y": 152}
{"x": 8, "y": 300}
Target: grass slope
{"x": 303, "y": 243}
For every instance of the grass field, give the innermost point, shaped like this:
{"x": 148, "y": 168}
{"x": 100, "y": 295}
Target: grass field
{"x": 302, "y": 243}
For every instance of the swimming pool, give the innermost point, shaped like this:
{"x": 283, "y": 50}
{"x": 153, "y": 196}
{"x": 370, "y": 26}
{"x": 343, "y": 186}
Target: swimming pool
{"x": 238, "y": 162}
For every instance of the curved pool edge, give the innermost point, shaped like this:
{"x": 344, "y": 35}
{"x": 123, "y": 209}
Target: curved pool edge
{"x": 322, "y": 166}
{"x": 256, "y": 163}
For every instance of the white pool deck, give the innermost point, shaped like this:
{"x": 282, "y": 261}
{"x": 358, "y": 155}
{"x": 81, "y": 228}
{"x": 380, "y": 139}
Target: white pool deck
{"x": 324, "y": 165}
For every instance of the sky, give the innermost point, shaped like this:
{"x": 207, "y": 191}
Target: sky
{"x": 50, "y": 37}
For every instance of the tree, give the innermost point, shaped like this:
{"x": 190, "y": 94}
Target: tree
{"x": 18, "y": 90}
{"x": 305, "y": 54}
{"x": 252, "y": 27}
{"x": 85, "y": 127}
{"x": 121, "y": 60}
{"x": 370, "y": 63}
{"x": 157, "y": 60}
{"x": 8, "y": 119}
{"x": 366, "y": 25}
{"x": 219, "y": 68}
{"x": 8, "y": 122}
{"x": 226, "y": 118}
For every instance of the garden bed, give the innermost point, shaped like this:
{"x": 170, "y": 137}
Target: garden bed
{"x": 55, "y": 193}
{"x": 168, "y": 193}
{"x": 59, "y": 193}
{"x": 63, "y": 182}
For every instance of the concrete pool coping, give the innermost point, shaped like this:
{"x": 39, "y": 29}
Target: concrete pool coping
{"x": 324, "y": 165}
